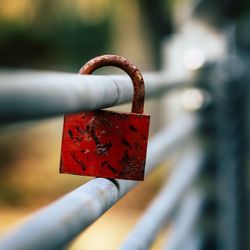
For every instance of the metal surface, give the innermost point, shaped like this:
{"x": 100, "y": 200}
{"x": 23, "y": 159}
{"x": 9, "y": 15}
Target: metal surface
{"x": 158, "y": 213}
{"x": 130, "y": 69}
{"x": 104, "y": 143}
{"x": 195, "y": 241}
{"x": 230, "y": 144}
{"x": 185, "y": 223}
{"x": 56, "y": 225}
{"x": 38, "y": 94}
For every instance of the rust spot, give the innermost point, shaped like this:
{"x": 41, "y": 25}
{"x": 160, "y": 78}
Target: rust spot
{"x": 71, "y": 134}
{"x": 111, "y": 168}
{"x": 100, "y": 147}
{"x": 81, "y": 131}
{"x": 132, "y": 128}
{"x": 128, "y": 163}
{"x": 125, "y": 157}
{"x": 104, "y": 163}
{"x": 103, "y": 148}
{"x": 137, "y": 145}
{"x": 79, "y": 138}
{"x": 78, "y": 161}
{"x": 126, "y": 143}
{"x": 92, "y": 132}
{"x": 84, "y": 116}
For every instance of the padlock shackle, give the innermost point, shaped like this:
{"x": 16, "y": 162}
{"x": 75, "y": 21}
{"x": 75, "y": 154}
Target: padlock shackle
{"x": 130, "y": 69}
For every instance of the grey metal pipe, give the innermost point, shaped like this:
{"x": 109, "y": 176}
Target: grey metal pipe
{"x": 56, "y": 225}
{"x": 38, "y": 94}
{"x": 195, "y": 241}
{"x": 184, "y": 226}
{"x": 158, "y": 213}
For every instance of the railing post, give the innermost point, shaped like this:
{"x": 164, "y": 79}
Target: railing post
{"x": 230, "y": 121}
{"x": 227, "y": 139}
{"x": 207, "y": 176}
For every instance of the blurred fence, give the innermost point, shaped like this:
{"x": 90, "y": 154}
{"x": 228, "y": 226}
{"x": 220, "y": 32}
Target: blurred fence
{"x": 205, "y": 196}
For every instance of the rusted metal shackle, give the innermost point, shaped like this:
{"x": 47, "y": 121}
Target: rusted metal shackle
{"x": 130, "y": 69}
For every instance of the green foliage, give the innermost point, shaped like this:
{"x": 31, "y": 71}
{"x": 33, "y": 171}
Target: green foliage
{"x": 63, "y": 44}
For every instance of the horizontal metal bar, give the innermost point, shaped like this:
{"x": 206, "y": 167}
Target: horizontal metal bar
{"x": 187, "y": 217}
{"x": 56, "y": 225}
{"x": 37, "y": 94}
{"x": 158, "y": 213}
{"x": 195, "y": 241}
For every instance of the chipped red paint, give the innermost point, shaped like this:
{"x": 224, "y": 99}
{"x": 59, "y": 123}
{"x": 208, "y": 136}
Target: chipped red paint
{"x": 105, "y": 143}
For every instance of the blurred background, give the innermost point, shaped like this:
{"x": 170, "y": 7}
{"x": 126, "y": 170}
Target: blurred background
{"x": 62, "y": 35}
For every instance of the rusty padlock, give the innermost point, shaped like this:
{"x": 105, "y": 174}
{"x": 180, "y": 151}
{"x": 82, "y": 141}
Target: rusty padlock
{"x": 104, "y": 143}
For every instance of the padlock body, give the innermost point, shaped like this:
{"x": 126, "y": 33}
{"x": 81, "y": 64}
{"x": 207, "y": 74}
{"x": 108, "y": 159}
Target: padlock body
{"x": 105, "y": 144}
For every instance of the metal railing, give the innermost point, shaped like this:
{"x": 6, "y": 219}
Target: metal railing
{"x": 158, "y": 214}
{"x": 55, "y": 226}
{"x": 220, "y": 154}
{"x": 30, "y": 95}
{"x": 33, "y": 94}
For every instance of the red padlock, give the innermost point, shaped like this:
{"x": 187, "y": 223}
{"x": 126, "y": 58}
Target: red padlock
{"x": 104, "y": 143}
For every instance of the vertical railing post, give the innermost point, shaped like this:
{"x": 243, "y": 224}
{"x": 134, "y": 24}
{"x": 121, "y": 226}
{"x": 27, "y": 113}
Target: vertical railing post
{"x": 225, "y": 133}
{"x": 229, "y": 91}
{"x": 242, "y": 41}
{"x": 207, "y": 176}
{"x": 231, "y": 162}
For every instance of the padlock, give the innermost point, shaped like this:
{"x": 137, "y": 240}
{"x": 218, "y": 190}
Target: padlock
{"x": 105, "y": 143}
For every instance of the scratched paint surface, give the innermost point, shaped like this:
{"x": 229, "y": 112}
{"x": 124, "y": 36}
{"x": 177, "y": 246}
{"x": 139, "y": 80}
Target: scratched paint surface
{"x": 105, "y": 144}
